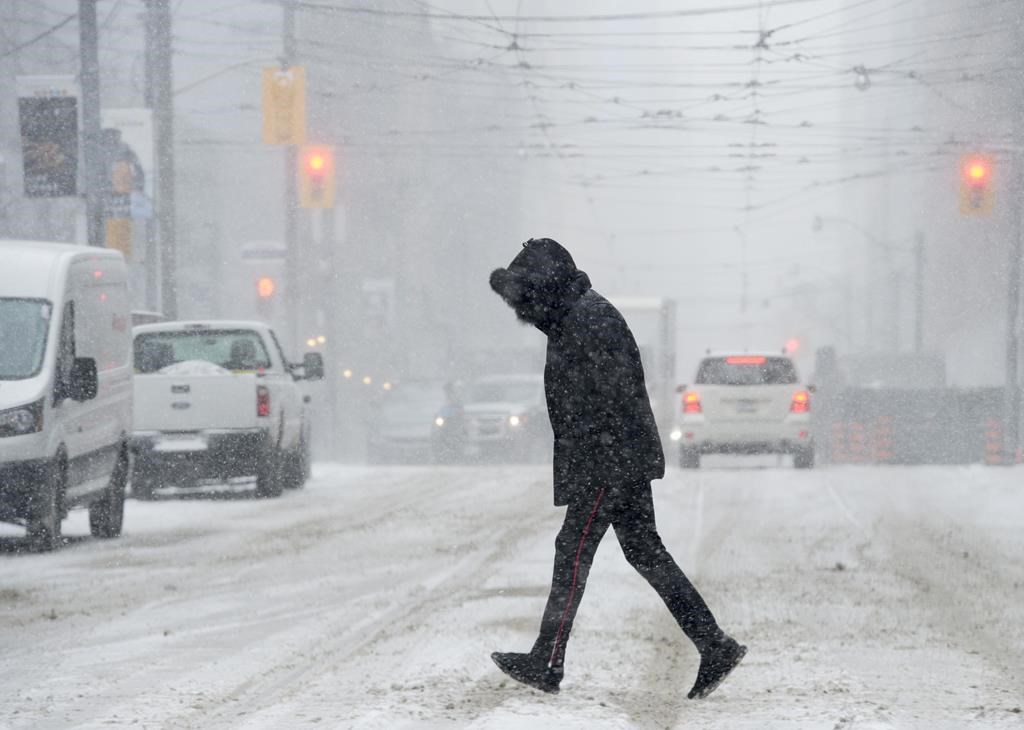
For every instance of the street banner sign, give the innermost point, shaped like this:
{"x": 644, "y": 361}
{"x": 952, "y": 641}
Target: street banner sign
{"x": 284, "y": 105}
{"x": 48, "y": 118}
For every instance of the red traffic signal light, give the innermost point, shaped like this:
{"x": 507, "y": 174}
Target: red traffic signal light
{"x": 316, "y": 177}
{"x": 265, "y": 287}
{"x": 977, "y": 171}
{"x": 976, "y": 185}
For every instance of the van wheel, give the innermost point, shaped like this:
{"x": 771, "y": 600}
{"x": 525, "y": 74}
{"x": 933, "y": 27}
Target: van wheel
{"x": 269, "y": 477}
{"x": 106, "y": 515}
{"x": 46, "y": 509}
{"x": 803, "y": 458}
{"x": 689, "y": 458}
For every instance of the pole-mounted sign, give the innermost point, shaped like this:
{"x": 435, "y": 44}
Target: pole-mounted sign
{"x": 48, "y": 117}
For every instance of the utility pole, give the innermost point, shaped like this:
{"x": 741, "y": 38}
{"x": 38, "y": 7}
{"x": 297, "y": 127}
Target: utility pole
{"x": 291, "y": 205}
{"x": 1013, "y": 270}
{"x": 152, "y": 251}
{"x": 919, "y": 292}
{"x": 88, "y": 47}
{"x": 160, "y": 96}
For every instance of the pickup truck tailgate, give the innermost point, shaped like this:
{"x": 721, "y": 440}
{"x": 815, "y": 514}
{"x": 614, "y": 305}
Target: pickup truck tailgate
{"x": 195, "y": 402}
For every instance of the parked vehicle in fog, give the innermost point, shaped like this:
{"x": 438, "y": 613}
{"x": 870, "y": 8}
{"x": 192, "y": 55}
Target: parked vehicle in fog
{"x": 401, "y": 422}
{"x": 506, "y": 418}
{"x": 65, "y": 387}
{"x": 216, "y": 400}
{"x": 746, "y": 403}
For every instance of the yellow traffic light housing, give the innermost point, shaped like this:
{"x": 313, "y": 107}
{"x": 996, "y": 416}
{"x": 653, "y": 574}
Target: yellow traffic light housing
{"x": 316, "y": 177}
{"x": 976, "y": 185}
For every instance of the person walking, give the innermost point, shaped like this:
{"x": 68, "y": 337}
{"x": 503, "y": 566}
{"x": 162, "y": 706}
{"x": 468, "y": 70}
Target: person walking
{"x": 606, "y": 452}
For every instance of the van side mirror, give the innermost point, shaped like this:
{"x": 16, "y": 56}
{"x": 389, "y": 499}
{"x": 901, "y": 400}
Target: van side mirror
{"x": 313, "y": 366}
{"x": 84, "y": 382}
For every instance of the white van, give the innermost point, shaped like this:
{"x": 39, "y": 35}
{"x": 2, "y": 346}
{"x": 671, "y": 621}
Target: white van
{"x": 65, "y": 387}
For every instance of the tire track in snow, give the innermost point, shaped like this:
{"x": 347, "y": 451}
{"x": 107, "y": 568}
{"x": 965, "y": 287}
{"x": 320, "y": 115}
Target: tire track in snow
{"x": 342, "y": 642}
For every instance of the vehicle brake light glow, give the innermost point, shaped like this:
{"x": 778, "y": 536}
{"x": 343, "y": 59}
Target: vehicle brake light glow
{"x": 745, "y": 360}
{"x": 801, "y": 402}
{"x": 262, "y": 401}
{"x": 691, "y": 402}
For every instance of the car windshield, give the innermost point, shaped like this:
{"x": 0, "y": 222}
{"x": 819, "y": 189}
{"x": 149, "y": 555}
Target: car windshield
{"x": 505, "y": 391}
{"x": 412, "y": 401}
{"x": 238, "y": 350}
{"x": 746, "y": 370}
{"x": 23, "y": 327}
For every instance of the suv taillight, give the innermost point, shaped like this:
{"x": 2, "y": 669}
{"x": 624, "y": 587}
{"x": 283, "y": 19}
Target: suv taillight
{"x": 801, "y": 402}
{"x": 262, "y": 400}
{"x": 691, "y": 402}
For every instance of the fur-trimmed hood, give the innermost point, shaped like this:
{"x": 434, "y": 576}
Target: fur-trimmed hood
{"x": 541, "y": 284}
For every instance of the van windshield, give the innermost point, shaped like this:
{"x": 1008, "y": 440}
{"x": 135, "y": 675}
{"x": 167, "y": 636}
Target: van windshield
{"x": 23, "y": 327}
{"x": 238, "y": 350}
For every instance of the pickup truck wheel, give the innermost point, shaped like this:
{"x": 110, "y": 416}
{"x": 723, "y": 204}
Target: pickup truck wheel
{"x": 106, "y": 515}
{"x": 294, "y": 468}
{"x": 144, "y": 487}
{"x": 45, "y": 511}
{"x": 269, "y": 477}
{"x": 804, "y": 458}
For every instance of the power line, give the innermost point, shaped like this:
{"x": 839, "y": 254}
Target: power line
{"x": 49, "y": 31}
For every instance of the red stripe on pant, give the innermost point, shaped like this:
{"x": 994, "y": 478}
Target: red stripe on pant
{"x": 575, "y": 571}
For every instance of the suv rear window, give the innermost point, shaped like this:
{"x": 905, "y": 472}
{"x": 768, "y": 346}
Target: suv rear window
{"x": 746, "y": 370}
{"x": 231, "y": 349}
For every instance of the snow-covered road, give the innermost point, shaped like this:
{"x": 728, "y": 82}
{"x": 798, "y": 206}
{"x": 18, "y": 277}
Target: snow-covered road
{"x": 869, "y": 597}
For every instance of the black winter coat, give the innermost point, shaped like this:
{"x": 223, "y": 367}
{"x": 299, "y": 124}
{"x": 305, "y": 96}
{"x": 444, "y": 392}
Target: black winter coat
{"x": 605, "y": 433}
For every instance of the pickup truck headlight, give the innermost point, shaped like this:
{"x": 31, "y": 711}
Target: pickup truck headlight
{"x": 22, "y": 420}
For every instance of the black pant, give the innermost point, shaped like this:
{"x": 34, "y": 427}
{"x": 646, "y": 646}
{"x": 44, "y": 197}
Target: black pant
{"x": 631, "y": 513}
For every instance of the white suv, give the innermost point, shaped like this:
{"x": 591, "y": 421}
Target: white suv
{"x": 745, "y": 403}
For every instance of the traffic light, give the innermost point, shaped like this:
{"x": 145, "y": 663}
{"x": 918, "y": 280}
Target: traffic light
{"x": 976, "y": 185}
{"x": 316, "y": 177}
{"x": 265, "y": 287}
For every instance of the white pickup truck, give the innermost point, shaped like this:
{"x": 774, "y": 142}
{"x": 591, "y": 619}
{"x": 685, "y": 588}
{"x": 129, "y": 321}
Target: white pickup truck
{"x": 215, "y": 400}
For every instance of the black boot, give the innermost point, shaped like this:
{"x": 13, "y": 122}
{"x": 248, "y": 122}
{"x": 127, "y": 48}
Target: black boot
{"x": 530, "y": 670}
{"x": 716, "y": 661}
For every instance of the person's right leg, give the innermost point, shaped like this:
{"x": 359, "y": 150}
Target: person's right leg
{"x": 585, "y": 523}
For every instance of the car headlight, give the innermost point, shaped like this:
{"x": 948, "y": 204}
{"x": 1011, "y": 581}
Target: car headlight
{"x": 676, "y": 435}
{"x": 515, "y": 421}
{"x": 439, "y": 422}
{"x": 22, "y": 420}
